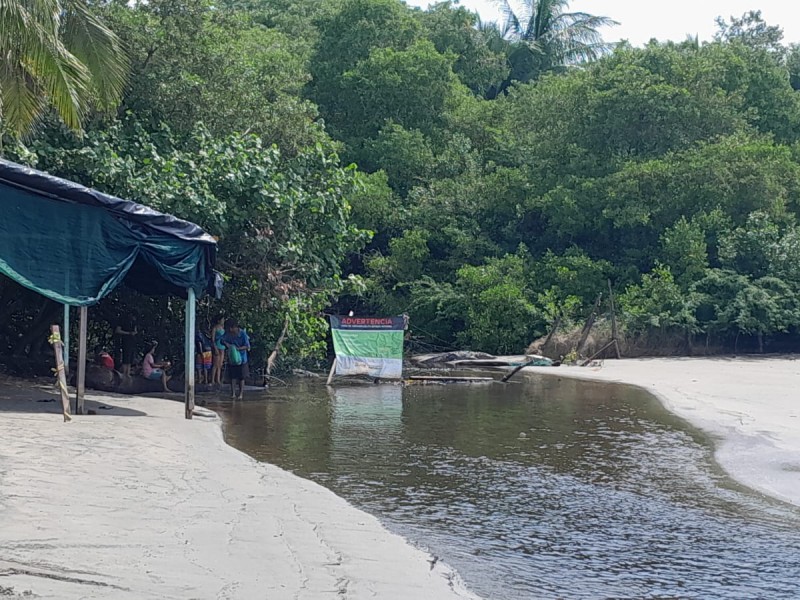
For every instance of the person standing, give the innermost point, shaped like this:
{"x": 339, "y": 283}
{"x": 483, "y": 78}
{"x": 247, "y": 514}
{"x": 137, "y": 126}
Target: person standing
{"x": 203, "y": 360}
{"x": 237, "y": 343}
{"x": 218, "y": 347}
{"x": 127, "y": 334}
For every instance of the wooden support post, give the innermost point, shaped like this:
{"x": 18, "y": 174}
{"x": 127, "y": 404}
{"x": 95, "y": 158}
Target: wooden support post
{"x": 61, "y": 378}
{"x": 189, "y": 354}
{"x": 330, "y": 375}
{"x": 614, "y": 334}
{"x": 80, "y": 384}
{"x": 65, "y": 338}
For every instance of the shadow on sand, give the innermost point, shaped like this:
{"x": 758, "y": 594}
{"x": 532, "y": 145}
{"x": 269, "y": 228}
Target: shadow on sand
{"x": 22, "y": 397}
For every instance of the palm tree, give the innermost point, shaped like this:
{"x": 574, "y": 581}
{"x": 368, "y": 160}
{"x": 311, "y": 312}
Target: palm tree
{"x": 56, "y": 53}
{"x": 548, "y": 37}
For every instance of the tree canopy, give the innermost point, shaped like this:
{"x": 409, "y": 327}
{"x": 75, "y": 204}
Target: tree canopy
{"x": 362, "y": 155}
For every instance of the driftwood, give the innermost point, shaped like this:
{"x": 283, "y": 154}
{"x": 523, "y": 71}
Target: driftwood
{"x": 424, "y": 379}
{"x": 61, "y": 377}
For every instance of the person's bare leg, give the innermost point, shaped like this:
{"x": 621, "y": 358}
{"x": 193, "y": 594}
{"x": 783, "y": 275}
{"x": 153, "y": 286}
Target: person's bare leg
{"x": 233, "y": 388}
{"x": 241, "y": 388}
{"x": 164, "y": 380}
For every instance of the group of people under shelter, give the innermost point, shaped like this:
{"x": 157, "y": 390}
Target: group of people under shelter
{"x": 222, "y": 346}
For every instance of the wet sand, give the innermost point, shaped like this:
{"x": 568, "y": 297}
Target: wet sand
{"x": 750, "y": 406}
{"x": 136, "y": 502}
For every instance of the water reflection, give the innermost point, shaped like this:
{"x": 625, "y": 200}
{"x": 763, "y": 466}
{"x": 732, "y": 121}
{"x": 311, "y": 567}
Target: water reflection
{"x": 546, "y": 489}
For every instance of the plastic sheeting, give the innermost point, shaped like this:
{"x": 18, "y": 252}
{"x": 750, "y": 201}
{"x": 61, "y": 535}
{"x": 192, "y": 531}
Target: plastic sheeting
{"x": 74, "y": 245}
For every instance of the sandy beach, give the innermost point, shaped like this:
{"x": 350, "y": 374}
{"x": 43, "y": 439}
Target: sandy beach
{"x": 750, "y": 406}
{"x": 136, "y": 502}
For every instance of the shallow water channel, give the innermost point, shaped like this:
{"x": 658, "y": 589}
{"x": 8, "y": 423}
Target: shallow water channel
{"x": 547, "y": 488}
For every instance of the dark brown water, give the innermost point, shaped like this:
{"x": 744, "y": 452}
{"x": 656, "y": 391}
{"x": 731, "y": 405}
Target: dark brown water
{"x": 607, "y": 495}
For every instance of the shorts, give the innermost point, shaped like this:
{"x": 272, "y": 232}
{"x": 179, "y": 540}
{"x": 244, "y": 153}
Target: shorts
{"x": 155, "y": 374}
{"x": 204, "y": 361}
{"x": 238, "y": 372}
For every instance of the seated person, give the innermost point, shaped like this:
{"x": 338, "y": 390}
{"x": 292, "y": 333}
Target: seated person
{"x": 153, "y": 370}
{"x": 104, "y": 359}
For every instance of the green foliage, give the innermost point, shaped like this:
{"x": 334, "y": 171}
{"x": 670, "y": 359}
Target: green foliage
{"x": 283, "y": 222}
{"x": 406, "y": 156}
{"x": 452, "y": 29}
{"x": 495, "y": 207}
{"x": 410, "y": 87}
{"x": 496, "y": 301}
{"x": 192, "y": 64}
{"x": 347, "y": 37}
{"x": 658, "y": 302}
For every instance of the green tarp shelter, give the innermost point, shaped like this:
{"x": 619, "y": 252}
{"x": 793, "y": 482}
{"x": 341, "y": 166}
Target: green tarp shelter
{"x": 74, "y": 245}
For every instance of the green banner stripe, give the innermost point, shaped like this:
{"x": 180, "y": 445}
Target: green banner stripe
{"x": 373, "y": 344}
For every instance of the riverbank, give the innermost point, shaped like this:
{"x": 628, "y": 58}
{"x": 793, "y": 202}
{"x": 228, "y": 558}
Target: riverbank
{"x": 750, "y": 406}
{"x": 136, "y": 502}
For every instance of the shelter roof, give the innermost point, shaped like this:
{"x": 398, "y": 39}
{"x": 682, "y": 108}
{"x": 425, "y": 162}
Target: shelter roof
{"x": 75, "y": 244}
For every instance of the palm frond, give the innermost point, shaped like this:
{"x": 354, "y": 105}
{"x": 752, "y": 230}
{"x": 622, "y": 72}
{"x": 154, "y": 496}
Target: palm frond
{"x": 99, "y": 49}
{"x": 20, "y": 100}
{"x": 512, "y": 23}
{"x": 38, "y": 65}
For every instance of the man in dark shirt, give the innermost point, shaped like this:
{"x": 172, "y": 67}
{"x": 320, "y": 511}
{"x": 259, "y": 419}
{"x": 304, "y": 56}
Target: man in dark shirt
{"x": 127, "y": 334}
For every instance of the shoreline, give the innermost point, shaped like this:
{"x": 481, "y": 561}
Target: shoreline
{"x": 748, "y": 405}
{"x": 137, "y": 502}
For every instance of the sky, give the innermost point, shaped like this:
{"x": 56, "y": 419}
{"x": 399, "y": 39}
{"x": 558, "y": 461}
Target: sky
{"x": 641, "y": 20}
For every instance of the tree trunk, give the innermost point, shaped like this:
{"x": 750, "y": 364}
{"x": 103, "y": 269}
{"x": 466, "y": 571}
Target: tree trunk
{"x": 589, "y": 324}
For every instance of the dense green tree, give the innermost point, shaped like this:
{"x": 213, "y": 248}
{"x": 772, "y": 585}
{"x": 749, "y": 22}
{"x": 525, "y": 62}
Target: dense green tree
{"x": 479, "y": 65}
{"x": 347, "y": 37}
{"x": 410, "y": 87}
{"x": 191, "y": 64}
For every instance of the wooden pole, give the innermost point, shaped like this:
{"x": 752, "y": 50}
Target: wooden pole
{"x": 65, "y": 337}
{"x": 80, "y": 384}
{"x": 333, "y": 370}
{"x": 61, "y": 377}
{"x": 189, "y": 353}
{"x": 614, "y": 335}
